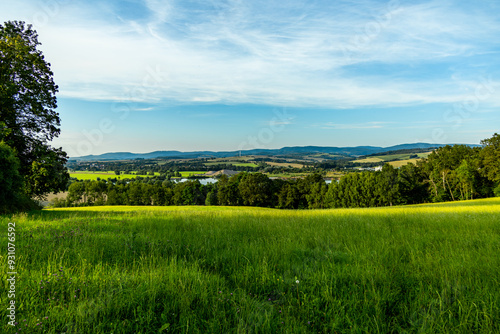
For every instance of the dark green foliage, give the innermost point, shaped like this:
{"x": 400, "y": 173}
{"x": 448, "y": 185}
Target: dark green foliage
{"x": 75, "y": 192}
{"x": 305, "y": 188}
{"x": 27, "y": 110}
{"x": 228, "y": 191}
{"x": 496, "y": 191}
{"x": 490, "y": 158}
{"x": 411, "y": 184}
{"x": 353, "y": 190}
{"x": 456, "y": 173}
{"x": 211, "y": 198}
{"x": 12, "y": 196}
{"x": 256, "y": 190}
{"x": 189, "y": 193}
{"x": 10, "y": 179}
{"x": 388, "y": 186}
{"x": 289, "y": 196}
{"x": 316, "y": 196}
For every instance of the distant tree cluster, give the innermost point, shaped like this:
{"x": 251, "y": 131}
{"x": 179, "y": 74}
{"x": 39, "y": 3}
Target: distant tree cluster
{"x": 244, "y": 189}
{"x": 460, "y": 172}
{"x": 450, "y": 173}
{"x": 142, "y": 167}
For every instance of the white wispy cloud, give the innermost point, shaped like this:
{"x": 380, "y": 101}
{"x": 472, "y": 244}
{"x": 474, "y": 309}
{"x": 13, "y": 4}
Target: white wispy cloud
{"x": 352, "y": 126}
{"x": 296, "y": 53}
{"x": 207, "y": 115}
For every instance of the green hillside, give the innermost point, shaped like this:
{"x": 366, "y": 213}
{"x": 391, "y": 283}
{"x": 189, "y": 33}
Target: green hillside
{"x": 414, "y": 269}
{"x": 393, "y": 157}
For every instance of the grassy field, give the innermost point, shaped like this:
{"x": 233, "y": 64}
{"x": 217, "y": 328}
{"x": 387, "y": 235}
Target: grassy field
{"x": 232, "y": 163}
{"x": 400, "y": 163}
{"x": 284, "y": 164}
{"x": 191, "y": 173}
{"x": 415, "y": 269}
{"x": 369, "y": 160}
{"x": 245, "y": 164}
{"x": 335, "y": 175}
{"x": 403, "y": 159}
{"x": 287, "y": 175}
{"x": 106, "y": 175}
{"x": 103, "y": 175}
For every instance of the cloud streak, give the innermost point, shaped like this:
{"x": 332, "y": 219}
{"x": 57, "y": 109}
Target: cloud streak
{"x": 267, "y": 52}
{"x": 357, "y": 126}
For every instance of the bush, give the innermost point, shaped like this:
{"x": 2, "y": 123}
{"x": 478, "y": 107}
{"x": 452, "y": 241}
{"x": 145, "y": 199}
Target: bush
{"x": 12, "y": 197}
{"x": 496, "y": 191}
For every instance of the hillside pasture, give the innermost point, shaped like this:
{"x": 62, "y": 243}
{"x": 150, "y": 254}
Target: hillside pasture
{"x": 93, "y": 176}
{"x": 232, "y": 163}
{"x": 369, "y": 160}
{"x": 191, "y": 173}
{"x": 415, "y": 269}
{"x": 399, "y": 163}
{"x": 285, "y": 164}
{"x": 394, "y": 158}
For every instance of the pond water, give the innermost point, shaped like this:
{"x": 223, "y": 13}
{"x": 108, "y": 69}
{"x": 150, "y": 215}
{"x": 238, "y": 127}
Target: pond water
{"x": 202, "y": 181}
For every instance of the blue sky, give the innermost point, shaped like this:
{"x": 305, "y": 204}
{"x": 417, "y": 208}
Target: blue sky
{"x": 145, "y": 75}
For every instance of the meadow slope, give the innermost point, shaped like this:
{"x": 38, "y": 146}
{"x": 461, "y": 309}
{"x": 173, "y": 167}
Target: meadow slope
{"x": 413, "y": 269}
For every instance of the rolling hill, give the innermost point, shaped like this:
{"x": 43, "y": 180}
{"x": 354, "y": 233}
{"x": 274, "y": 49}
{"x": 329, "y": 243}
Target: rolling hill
{"x": 350, "y": 151}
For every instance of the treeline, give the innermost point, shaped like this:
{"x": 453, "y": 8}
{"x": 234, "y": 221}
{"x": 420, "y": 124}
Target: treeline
{"x": 172, "y": 168}
{"x": 411, "y": 151}
{"x": 243, "y": 189}
{"x": 162, "y": 166}
{"x": 450, "y": 173}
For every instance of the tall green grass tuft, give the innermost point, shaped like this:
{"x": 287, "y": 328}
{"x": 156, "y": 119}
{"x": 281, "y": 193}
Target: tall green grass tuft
{"x": 416, "y": 269}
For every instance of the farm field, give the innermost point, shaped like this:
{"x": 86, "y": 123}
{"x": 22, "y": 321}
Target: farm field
{"x": 399, "y": 163}
{"x": 245, "y": 164}
{"x": 285, "y": 164}
{"x": 232, "y": 163}
{"x": 430, "y": 268}
{"x": 287, "y": 175}
{"x": 336, "y": 175}
{"x": 102, "y": 175}
{"x": 191, "y": 173}
{"x": 400, "y": 157}
{"x": 105, "y": 175}
{"x": 369, "y": 160}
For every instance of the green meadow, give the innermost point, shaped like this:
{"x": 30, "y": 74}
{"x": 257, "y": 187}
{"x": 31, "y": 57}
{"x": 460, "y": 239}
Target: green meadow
{"x": 392, "y": 157}
{"x": 93, "y": 176}
{"x": 105, "y": 175}
{"x": 191, "y": 173}
{"x": 232, "y": 163}
{"x": 413, "y": 269}
{"x": 245, "y": 164}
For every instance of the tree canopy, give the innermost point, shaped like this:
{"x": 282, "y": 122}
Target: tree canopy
{"x": 10, "y": 180}
{"x": 28, "y": 119}
{"x": 491, "y": 157}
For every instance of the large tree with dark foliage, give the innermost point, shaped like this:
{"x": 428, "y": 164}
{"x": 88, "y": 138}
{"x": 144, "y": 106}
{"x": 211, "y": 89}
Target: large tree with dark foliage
{"x": 490, "y": 156}
{"x": 10, "y": 180}
{"x": 28, "y": 119}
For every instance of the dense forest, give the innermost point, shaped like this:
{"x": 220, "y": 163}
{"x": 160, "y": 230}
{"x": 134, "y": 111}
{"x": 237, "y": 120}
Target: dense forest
{"x": 449, "y": 173}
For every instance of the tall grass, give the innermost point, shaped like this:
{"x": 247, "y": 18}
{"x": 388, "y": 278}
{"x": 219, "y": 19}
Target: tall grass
{"x": 418, "y": 269}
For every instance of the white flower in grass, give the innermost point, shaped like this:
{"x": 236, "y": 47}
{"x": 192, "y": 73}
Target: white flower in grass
{"x": 297, "y": 281}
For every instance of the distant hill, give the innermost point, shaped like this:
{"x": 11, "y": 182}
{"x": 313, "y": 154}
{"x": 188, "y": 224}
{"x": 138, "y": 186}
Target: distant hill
{"x": 303, "y": 150}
